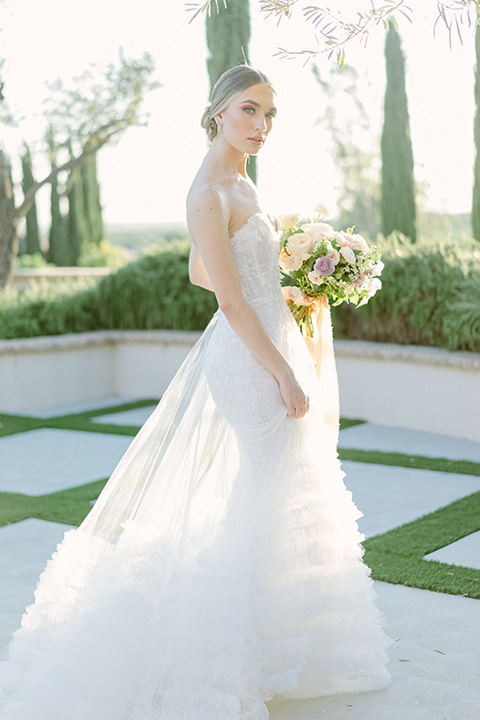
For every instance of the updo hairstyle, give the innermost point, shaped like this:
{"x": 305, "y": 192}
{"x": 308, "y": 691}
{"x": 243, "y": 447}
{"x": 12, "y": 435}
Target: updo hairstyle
{"x": 228, "y": 86}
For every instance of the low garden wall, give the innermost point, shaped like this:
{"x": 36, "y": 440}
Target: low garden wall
{"x": 419, "y": 388}
{"x": 23, "y": 278}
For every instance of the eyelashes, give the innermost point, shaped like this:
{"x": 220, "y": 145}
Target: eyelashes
{"x": 251, "y": 110}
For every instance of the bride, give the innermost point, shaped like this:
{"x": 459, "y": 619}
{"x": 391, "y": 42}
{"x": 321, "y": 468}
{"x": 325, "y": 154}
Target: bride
{"x": 221, "y": 565}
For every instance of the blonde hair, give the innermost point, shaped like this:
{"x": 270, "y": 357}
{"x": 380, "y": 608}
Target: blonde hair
{"x": 228, "y": 86}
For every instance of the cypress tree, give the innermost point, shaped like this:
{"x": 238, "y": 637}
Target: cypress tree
{"x": 91, "y": 200}
{"x": 57, "y": 239}
{"x": 76, "y": 223}
{"x": 8, "y": 223}
{"x": 228, "y": 37}
{"x": 398, "y": 184}
{"x": 476, "y": 129}
{"x": 58, "y": 252}
{"x": 32, "y": 239}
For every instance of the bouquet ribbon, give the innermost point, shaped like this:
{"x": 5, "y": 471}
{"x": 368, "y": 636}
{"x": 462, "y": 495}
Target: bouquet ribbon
{"x": 323, "y": 355}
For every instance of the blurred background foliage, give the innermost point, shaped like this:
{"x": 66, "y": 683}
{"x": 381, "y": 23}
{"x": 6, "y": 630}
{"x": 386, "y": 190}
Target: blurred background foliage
{"x": 431, "y": 281}
{"x": 430, "y": 296}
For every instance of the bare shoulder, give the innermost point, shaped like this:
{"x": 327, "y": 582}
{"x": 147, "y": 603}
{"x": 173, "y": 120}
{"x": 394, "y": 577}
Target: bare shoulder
{"x": 207, "y": 210}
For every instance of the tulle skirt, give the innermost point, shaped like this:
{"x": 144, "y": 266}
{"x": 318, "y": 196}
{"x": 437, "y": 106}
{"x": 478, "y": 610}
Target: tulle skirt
{"x": 220, "y": 566}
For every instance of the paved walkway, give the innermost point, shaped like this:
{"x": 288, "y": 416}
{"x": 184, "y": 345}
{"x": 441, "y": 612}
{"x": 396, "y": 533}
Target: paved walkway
{"x": 435, "y": 654}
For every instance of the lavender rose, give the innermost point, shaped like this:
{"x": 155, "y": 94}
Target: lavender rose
{"x": 324, "y": 266}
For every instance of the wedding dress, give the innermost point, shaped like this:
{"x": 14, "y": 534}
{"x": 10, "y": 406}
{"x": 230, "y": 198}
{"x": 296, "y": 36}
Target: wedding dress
{"x": 221, "y": 564}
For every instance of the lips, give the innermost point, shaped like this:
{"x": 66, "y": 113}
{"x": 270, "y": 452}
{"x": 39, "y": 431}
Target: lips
{"x": 257, "y": 140}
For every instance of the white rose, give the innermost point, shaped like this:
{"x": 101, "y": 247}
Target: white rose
{"x": 375, "y": 285}
{"x": 377, "y": 269}
{"x": 321, "y": 210}
{"x": 315, "y": 277}
{"x": 288, "y": 221}
{"x": 348, "y": 254}
{"x": 323, "y": 229}
{"x": 301, "y": 244}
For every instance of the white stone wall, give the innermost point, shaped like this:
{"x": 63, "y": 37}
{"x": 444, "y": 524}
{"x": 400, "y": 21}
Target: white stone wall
{"x": 413, "y": 387}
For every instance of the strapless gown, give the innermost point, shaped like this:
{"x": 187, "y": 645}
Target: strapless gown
{"x": 221, "y": 565}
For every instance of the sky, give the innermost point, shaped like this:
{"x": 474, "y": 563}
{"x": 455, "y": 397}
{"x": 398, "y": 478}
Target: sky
{"x": 146, "y": 175}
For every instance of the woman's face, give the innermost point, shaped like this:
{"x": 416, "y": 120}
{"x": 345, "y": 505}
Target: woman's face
{"x": 248, "y": 119}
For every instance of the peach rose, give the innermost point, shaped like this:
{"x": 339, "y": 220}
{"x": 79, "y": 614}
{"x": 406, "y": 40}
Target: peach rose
{"x": 289, "y": 262}
{"x": 357, "y": 242}
{"x": 296, "y": 295}
{"x": 334, "y": 254}
{"x": 342, "y": 239}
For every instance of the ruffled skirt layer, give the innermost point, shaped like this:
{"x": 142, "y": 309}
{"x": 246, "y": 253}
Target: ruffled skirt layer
{"x": 220, "y": 566}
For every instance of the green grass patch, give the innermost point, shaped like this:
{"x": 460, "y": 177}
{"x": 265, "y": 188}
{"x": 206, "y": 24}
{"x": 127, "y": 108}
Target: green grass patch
{"x": 69, "y": 506}
{"x": 397, "y": 556}
{"x": 418, "y": 462}
{"x": 350, "y": 422}
{"x": 11, "y": 424}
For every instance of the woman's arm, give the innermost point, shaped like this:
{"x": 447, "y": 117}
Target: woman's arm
{"x": 208, "y": 220}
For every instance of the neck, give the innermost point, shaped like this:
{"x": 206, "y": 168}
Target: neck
{"x": 228, "y": 158}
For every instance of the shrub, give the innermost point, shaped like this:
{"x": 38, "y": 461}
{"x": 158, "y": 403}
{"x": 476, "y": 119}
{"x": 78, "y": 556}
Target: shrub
{"x": 153, "y": 292}
{"x": 428, "y": 290}
{"x": 32, "y": 261}
{"x": 461, "y": 324}
{"x": 104, "y": 254}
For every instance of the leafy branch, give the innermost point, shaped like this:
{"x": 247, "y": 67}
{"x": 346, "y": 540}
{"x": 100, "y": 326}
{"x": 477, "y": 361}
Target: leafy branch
{"x": 94, "y": 112}
{"x": 456, "y": 13}
{"x": 333, "y": 31}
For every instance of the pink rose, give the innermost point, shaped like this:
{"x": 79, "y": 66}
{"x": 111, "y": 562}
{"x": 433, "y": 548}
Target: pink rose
{"x": 324, "y": 266}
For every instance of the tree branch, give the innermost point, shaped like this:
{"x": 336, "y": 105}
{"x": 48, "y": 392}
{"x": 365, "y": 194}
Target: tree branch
{"x": 27, "y": 203}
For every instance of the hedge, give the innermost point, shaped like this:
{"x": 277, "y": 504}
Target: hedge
{"x": 430, "y": 296}
{"x": 152, "y": 292}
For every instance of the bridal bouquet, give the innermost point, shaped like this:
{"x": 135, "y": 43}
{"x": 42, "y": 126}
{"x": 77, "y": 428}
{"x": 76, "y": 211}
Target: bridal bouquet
{"x": 317, "y": 261}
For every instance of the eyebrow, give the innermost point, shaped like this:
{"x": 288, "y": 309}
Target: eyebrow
{"x": 252, "y": 102}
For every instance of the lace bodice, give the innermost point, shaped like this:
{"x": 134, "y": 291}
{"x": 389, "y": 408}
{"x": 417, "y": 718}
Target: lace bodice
{"x": 256, "y": 247}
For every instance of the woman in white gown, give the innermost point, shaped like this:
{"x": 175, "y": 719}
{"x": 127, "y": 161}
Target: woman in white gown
{"x": 221, "y": 564}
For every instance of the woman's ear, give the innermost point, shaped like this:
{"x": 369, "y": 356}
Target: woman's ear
{"x": 219, "y": 120}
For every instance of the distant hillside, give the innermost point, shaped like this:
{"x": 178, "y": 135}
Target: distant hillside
{"x": 137, "y": 237}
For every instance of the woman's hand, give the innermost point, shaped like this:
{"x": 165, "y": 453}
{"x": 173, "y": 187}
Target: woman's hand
{"x": 298, "y": 404}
